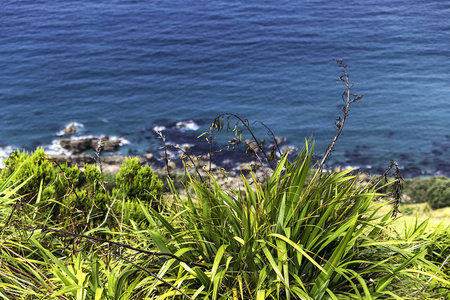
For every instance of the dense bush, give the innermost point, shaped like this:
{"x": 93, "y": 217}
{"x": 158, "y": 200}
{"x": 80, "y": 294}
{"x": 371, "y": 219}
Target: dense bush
{"x": 438, "y": 192}
{"x": 64, "y": 191}
{"x": 416, "y": 189}
{"x": 42, "y": 174}
{"x": 139, "y": 182}
{"x": 434, "y": 190}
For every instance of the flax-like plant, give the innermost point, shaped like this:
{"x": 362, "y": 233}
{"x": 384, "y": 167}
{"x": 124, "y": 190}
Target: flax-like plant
{"x": 287, "y": 239}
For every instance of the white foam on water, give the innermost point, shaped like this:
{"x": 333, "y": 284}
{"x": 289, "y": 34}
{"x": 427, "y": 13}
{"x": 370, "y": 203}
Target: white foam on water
{"x": 186, "y": 146}
{"x": 159, "y": 128}
{"x": 55, "y": 149}
{"x": 350, "y": 167}
{"x": 187, "y": 125}
{"x": 4, "y": 153}
{"x": 83, "y": 137}
{"x": 123, "y": 141}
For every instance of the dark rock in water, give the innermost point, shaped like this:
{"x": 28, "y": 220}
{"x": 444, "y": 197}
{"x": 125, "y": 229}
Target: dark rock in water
{"x": 442, "y": 146}
{"x": 402, "y": 157}
{"x": 443, "y": 169}
{"x": 425, "y": 162}
{"x": 410, "y": 172}
{"x": 133, "y": 152}
{"x": 81, "y": 145}
{"x": 34, "y": 145}
{"x": 436, "y": 152}
{"x": 353, "y": 154}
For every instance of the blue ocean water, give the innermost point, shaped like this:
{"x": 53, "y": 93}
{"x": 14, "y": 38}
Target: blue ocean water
{"x": 120, "y": 68}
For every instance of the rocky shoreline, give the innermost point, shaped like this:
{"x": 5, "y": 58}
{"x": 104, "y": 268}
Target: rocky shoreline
{"x": 227, "y": 178}
{"x": 77, "y": 150}
{"x": 77, "y": 147}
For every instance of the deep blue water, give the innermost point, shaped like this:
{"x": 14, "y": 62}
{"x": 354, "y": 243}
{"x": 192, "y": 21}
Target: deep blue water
{"x": 121, "y": 68}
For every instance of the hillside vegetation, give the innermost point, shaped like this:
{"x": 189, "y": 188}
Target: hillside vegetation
{"x": 297, "y": 233}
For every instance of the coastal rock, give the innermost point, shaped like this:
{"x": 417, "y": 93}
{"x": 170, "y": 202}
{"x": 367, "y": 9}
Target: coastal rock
{"x": 288, "y": 149}
{"x": 109, "y": 145}
{"x": 280, "y": 140}
{"x": 206, "y": 166}
{"x": 76, "y": 146}
{"x": 247, "y": 167}
{"x": 70, "y": 129}
{"x": 172, "y": 165}
{"x": 78, "y": 160}
{"x": 83, "y": 144}
{"x": 364, "y": 177}
{"x": 252, "y": 145}
{"x": 436, "y": 152}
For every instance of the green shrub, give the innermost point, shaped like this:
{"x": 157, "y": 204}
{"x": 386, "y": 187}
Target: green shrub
{"x": 416, "y": 189}
{"x": 65, "y": 191}
{"x": 95, "y": 194}
{"x": 438, "y": 193}
{"x": 138, "y": 182}
{"x": 41, "y": 173}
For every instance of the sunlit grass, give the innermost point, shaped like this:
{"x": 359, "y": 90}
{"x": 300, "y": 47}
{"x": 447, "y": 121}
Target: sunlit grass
{"x": 421, "y": 212}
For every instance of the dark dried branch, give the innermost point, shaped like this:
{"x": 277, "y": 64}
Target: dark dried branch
{"x": 272, "y": 136}
{"x": 86, "y": 221}
{"x": 218, "y": 126}
{"x": 65, "y": 234}
{"x": 166, "y": 156}
{"x": 185, "y": 154}
{"x": 397, "y": 186}
{"x": 16, "y": 207}
{"x": 339, "y": 124}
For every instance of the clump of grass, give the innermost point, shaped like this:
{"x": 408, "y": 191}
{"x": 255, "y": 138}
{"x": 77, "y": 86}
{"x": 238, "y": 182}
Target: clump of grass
{"x": 287, "y": 239}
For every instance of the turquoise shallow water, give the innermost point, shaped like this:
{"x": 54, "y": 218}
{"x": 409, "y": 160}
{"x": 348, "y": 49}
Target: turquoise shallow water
{"x": 121, "y": 68}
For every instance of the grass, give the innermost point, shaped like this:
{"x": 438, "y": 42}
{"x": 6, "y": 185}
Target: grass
{"x": 294, "y": 237}
{"x": 421, "y": 212}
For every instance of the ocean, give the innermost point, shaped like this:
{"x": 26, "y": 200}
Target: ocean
{"x": 123, "y": 68}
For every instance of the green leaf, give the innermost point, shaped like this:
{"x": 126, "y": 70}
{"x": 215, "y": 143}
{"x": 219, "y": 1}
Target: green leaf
{"x": 55, "y": 260}
{"x": 299, "y": 249}
{"x": 321, "y": 284}
{"x": 272, "y": 262}
{"x": 159, "y": 241}
{"x": 217, "y": 260}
